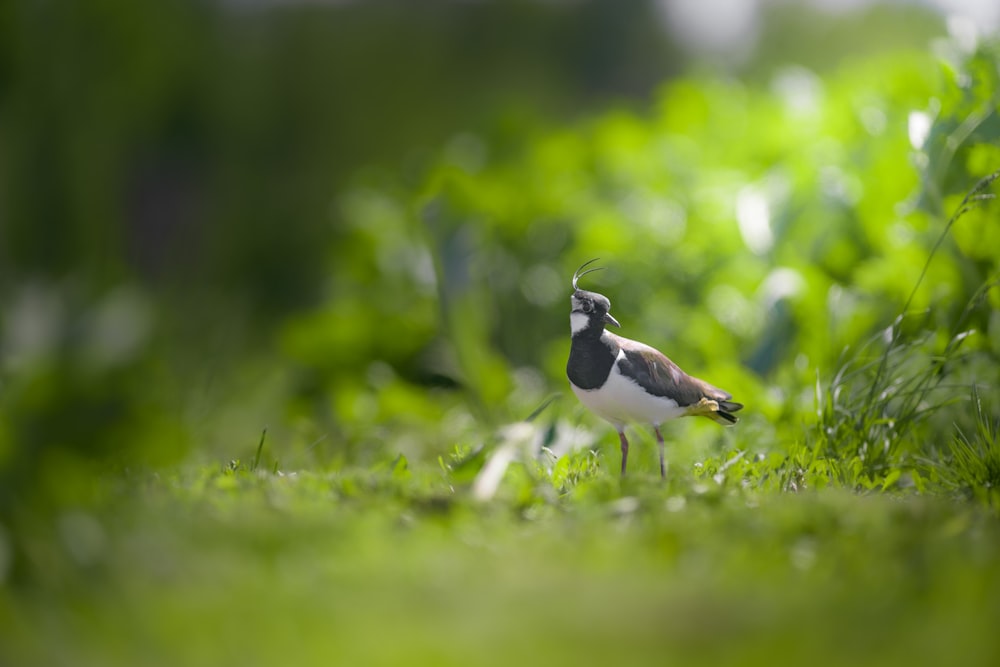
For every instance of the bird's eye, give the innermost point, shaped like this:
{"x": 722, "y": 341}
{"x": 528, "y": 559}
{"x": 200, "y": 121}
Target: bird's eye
{"x": 587, "y": 306}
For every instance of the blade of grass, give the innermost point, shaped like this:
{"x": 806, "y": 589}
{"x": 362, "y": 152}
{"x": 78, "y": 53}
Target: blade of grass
{"x": 260, "y": 450}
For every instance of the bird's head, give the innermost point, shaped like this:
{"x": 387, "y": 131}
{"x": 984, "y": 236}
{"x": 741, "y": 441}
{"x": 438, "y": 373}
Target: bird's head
{"x": 589, "y": 308}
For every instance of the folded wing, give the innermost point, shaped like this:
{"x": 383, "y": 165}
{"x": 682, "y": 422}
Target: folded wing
{"x": 660, "y": 376}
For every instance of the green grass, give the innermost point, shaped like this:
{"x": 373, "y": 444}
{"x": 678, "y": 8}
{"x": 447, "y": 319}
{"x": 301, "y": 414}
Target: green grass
{"x": 872, "y": 416}
{"x": 970, "y": 465}
{"x": 227, "y": 566}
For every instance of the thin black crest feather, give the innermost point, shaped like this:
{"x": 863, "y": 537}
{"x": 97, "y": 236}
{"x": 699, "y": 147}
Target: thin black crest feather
{"x": 580, "y": 273}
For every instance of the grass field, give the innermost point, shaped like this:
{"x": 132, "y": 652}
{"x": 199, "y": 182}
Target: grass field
{"x": 233, "y": 566}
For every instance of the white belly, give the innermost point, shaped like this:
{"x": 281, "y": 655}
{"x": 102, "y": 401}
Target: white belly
{"x": 622, "y": 401}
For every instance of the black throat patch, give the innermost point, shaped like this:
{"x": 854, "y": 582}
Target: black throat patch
{"x": 590, "y": 359}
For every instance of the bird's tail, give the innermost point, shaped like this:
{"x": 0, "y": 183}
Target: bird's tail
{"x": 724, "y": 414}
{"x": 718, "y": 410}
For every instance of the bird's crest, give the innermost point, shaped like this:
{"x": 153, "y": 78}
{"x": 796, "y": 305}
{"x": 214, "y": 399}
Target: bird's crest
{"x": 580, "y": 273}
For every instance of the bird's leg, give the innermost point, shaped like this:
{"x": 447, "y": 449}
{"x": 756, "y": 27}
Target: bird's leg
{"x": 621, "y": 436}
{"x": 659, "y": 443}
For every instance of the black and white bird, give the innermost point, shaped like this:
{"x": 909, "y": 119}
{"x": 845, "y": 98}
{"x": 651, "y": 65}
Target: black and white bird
{"x": 626, "y": 382}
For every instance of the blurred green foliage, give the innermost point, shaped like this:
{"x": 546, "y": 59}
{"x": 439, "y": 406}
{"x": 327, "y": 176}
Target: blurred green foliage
{"x": 759, "y": 232}
{"x": 200, "y": 242}
{"x": 197, "y": 156}
{"x": 283, "y": 294}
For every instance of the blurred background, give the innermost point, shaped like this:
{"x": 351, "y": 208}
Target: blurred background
{"x": 354, "y": 223}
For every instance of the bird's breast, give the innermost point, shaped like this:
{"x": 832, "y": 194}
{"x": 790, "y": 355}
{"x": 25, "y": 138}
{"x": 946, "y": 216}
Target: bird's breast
{"x": 590, "y": 362}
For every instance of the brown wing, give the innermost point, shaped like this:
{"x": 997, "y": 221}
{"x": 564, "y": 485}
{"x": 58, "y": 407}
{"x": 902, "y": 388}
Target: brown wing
{"x": 660, "y": 376}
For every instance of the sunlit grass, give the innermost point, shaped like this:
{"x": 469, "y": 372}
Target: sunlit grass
{"x": 351, "y": 567}
{"x": 868, "y": 430}
{"x": 969, "y": 464}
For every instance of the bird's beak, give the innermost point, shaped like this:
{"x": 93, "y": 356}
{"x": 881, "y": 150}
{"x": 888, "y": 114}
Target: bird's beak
{"x": 611, "y": 320}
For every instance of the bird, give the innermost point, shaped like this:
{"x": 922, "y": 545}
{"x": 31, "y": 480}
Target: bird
{"x": 626, "y": 382}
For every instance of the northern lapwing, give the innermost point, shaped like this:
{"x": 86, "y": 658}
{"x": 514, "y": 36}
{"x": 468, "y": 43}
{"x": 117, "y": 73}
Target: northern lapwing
{"x": 626, "y": 382}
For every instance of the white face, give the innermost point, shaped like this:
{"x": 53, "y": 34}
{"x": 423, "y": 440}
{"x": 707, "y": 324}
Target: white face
{"x": 578, "y": 322}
